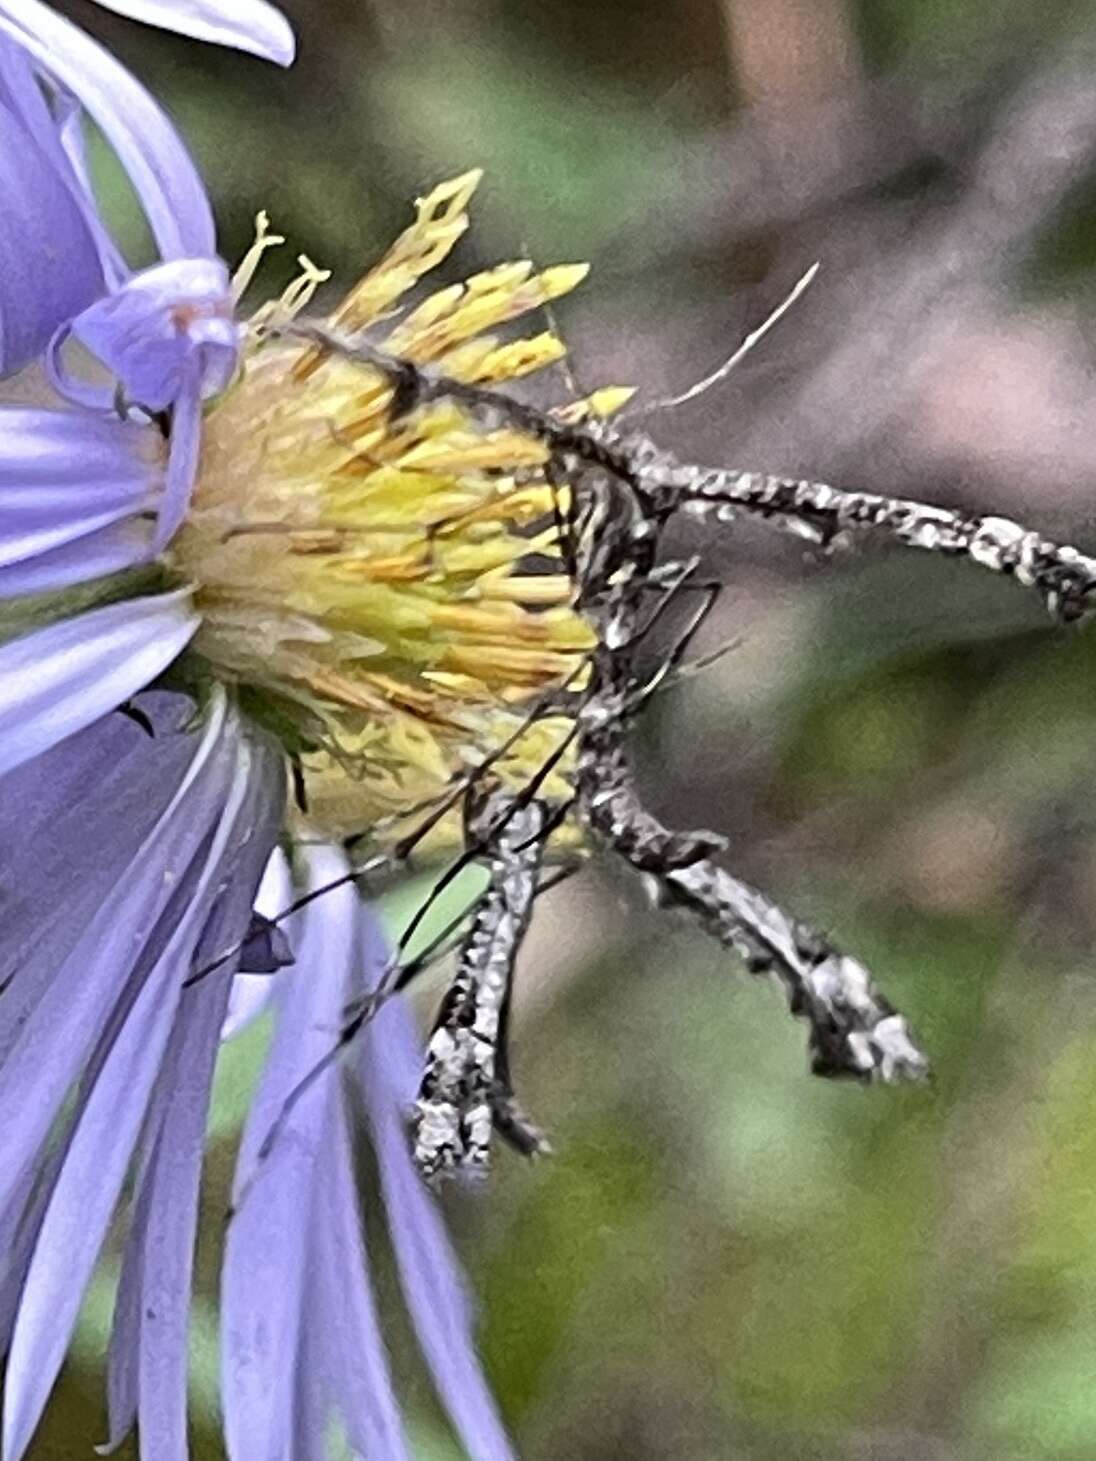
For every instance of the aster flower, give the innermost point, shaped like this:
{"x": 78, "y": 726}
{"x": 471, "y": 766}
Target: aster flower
{"x": 345, "y": 555}
{"x": 189, "y": 799}
{"x": 57, "y": 255}
{"x": 374, "y": 674}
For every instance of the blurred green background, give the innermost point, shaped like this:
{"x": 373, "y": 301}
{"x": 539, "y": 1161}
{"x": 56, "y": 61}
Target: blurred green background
{"x": 727, "y": 1258}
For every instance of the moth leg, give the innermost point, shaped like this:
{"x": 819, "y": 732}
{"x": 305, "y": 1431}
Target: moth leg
{"x": 465, "y": 1089}
{"x": 853, "y": 1029}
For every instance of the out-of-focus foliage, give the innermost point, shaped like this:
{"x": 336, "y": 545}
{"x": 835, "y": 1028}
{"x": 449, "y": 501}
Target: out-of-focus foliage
{"x": 725, "y": 1257}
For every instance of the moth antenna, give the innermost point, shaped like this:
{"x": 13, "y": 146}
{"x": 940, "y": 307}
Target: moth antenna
{"x": 701, "y": 663}
{"x": 389, "y": 862}
{"x": 721, "y": 372}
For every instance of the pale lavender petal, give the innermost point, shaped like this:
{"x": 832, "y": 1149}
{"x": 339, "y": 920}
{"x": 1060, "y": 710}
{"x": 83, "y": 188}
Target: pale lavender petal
{"x": 149, "y": 1340}
{"x": 43, "y": 799}
{"x": 110, "y": 550}
{"x": 247, "y": 25}
{"x": 73, "y": 140}
{"x": 30, "y": 534}
{"x": 262, "y": 1283}
{"x": 429, "y": 1270}
{"x": 53, "y": 460}
{"x": 251, "y": 993}
{"x": 182, "y": 464}
{"x": 147, "y": 144}
{"x": 50, "y": 1041}
{"x": 123, "y": 1352}
{"x": 167, "y": 1234}
{"x": 266, "y": 1251}
{"x": 349, "y": 1342}
{"x": 59, "y": 679}
{"x": 45, "y": 804}
{"x": 54, "y": 126}
{"x": 311, "y": 1401}
{"x": 94, "y": 397}
{"x": 150, "y": 331}
{"x": 114, "y": 1096}
{"x": 27, "y": 531}
{"x": 49, "y": 261}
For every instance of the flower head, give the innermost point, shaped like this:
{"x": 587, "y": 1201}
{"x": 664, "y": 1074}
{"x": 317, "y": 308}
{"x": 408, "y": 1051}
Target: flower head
{"x": 362, "y": 576}
{"x": 361, "y": 580}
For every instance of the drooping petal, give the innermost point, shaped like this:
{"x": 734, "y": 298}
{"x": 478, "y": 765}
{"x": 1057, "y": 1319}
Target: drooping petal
{"x": 147, "y": 954}
{"x": 56, "y": 126}
{"x": 270, "y": 1232}
{"x": 44, "y": 805}
{"x": 311, "y": 1404}
{"x": 246, "y": 25}
{"x": 150, "y": 150}
{"x": 49, "y": 260}
{"x": 429, "y": 1271}
{"x": 348, "y": 1340}
{"x": 251, "y": 993}
{"x": 151, "y": 330}
{"x": 123, "y": 1353}
{"x": 166, "y": 1235}
{"x": 184, "y": 451}
{"x": 52, "y": 1037}
{"x": 56, "y": 680}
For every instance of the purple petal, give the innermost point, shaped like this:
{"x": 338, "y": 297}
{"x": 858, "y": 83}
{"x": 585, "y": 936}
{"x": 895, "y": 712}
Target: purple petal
{"x": 49, "y": 1040}
{"x": 44, "y": 804}
{"x": 311, "y": 1402}
{"x": 34, "y": 520}
{"x": 49, "y": 261}
{"x": 251, "y": 993}
{"x": 55, "y": 681}
{"x": 167, "y": 1235}
{"x": 246, "y": 25}
{"x": 279, "y": 1368}
{"x": 40, "y": 533}
{"x": 349, "y": 1341}
{"x": 147, "y": 145}
{"x": 150, "y": 331}
{"x": 56, "y": 464}
{"x": 56, "y": 127}
{"x": 123, "y": 1067}
{"x": 429, "y": 1271}
{"x": 266, "y": 1251}
{"x": 108, "y": 551}
{"x": 184, "y": 451}
{"x": 123, "y": 1353}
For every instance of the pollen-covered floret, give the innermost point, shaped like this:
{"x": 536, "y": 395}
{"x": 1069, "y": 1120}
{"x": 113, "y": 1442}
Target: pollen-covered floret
{"x": 387, "y": 587}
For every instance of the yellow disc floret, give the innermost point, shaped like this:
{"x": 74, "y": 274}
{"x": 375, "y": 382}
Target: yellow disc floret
{"x": 392, "y": 586}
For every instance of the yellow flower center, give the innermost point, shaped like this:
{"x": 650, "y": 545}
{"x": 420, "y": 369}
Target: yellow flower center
{"x": 393, "y": 587}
